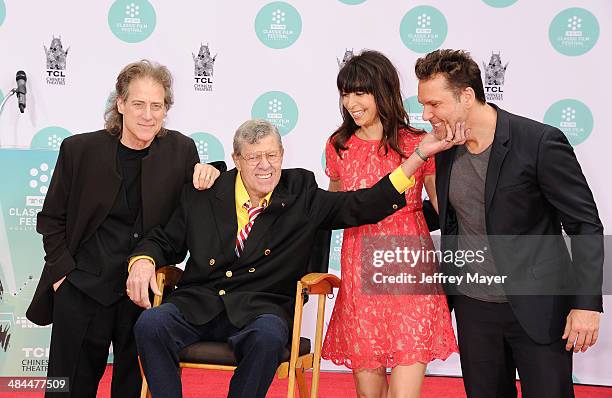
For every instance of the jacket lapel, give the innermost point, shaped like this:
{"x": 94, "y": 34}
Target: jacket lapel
{"x": 224, "y": 212}
{"x": 105, "y": 181}
{"x": 444, "y": 165}
{"x": 499, "y": 150}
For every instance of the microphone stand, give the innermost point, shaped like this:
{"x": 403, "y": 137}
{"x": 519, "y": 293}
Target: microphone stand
{"x": 12, "y": 92}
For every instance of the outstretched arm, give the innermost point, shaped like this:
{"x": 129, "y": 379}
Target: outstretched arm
{"x": 336, "y": 210}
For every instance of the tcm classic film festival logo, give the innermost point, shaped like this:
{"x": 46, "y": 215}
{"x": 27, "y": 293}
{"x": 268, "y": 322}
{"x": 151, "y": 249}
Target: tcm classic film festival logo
{"x": 210, "y": 149}
{"x": 132, "y": 21}
{"x": 203, "y": 65}
{"x": 423, "y": 29}
{"x": 278, "y": 108}
{"x": 56, "y": 62}
{"x": 278, "y": 25}
{"x": 574, "y": 31}
{"x": 572, "y": 117}
{"x": 494, "y": 77}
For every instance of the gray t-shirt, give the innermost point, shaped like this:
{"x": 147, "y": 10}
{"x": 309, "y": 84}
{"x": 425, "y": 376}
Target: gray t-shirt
{"x": 466, "y": 195}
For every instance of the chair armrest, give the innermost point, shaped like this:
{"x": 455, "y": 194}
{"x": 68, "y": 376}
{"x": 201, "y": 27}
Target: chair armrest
{"x": 320, "y": 283}
{"x": 171, "y": 275}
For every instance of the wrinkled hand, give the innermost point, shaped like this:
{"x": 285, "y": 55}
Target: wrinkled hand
{"x": 443, "y": 138}
{"x": 57, "y": 284}
{"x": 581, "y": 330}
{"x": 142, "y": 276}
{"x": 204, "y": 176}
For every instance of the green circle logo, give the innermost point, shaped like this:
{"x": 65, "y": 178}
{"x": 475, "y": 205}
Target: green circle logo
{"x": 209, "y": 147}
{"x": 573, "y": 31}
{"x": 500, "y": 3}
{"x": 2, "y": 12}
{"x": 49, "y": 138}
{"x": 352, "y": 2}
{"x": 572, "y": 117}
{"x": 415, "y": 114}
{"x": 278, "y": 108}
{"x": 335, "y": 248}
{"x": 423, "y": 29}
{"x": 278, "y": 25}
{"x": 132, "y": 21}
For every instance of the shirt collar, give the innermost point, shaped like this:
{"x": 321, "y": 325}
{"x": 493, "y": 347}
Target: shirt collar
{"x": 242, "y": 196}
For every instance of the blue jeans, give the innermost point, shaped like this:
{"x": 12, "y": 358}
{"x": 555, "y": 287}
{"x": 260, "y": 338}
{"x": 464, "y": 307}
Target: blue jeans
{"x": 162, "y": 332}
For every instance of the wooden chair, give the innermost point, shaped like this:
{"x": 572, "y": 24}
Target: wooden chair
{"x": 298, "y": 357}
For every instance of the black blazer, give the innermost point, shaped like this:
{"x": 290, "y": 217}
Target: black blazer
{"x": 83, "y": 189}
{"x": 534, "y": 186}
{"x": 276, "y": 254}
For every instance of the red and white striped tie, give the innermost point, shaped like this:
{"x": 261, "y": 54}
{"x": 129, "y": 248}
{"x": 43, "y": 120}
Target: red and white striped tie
{"x": 246, "y": 230}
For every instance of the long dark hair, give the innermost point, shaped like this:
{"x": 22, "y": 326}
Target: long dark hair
{"x": 372, "y": 73}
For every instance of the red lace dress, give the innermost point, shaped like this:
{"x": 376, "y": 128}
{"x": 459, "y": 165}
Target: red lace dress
{"x": 370, "y": 331}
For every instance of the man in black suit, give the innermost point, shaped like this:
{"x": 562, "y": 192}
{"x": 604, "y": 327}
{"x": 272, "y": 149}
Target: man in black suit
{"x": 507, "y": 193}
{"x": 109, "y": 188}
{"x": 249, "y": 237}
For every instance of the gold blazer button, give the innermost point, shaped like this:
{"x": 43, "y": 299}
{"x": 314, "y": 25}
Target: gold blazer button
{"x": 251, "y": 270}
{"x": 267, "y": 252}
{"x": 229, "y": 274}
{"x": 211, "y": 262}
{"x": 394, "y": 207}
{"x": 221, "y": 292}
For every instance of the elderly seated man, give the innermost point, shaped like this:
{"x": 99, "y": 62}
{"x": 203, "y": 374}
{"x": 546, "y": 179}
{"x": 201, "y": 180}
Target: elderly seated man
{"x": 249, "y": 238}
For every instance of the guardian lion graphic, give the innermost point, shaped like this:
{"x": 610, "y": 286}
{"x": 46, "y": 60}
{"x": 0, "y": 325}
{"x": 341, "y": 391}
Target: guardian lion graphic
{"x": 203, "y": 62}
{"x": 494, "y": 71}
{"x": 56, "y": 56}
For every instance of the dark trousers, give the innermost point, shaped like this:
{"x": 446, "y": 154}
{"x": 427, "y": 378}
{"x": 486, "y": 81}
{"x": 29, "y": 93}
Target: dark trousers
{"x": 493, "y": 346}
{"x": 162, "y": 332}
{"x": 82, "y": 332}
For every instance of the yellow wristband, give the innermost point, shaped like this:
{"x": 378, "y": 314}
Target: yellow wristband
{"x": 136, "y": 258}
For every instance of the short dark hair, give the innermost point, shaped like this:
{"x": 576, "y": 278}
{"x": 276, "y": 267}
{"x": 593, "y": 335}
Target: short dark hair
{"x": 457, "y": 66}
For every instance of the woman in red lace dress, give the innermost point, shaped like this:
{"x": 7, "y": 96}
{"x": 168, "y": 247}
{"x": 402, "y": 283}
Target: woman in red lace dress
{"x": 369, "y": 333}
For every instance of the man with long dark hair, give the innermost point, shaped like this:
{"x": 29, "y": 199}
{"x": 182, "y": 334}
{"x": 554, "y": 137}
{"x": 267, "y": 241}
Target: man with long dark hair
{"x": 109, "y": 188}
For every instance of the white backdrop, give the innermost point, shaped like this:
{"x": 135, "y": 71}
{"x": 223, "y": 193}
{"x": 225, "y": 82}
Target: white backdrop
{"x": 554, "y": 50}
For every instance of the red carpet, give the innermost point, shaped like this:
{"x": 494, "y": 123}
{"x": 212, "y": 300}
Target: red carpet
{"x": 213, "y": 384}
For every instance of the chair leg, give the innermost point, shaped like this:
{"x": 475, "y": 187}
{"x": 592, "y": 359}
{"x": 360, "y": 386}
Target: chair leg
{"x": 295, "y": 340}
{"x": 301, "y": 381}
{"x": 144, "y": 390}
{"x": 316, "y": 365}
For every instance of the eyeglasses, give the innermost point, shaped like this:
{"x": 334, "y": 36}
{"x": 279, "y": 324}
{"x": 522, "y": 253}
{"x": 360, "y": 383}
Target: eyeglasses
{"x": 254, "y": 158}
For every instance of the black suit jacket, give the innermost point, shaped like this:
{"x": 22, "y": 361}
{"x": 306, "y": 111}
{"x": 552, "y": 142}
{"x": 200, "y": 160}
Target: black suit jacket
{"x": 276, "y": 253}
{"x": 83, "y": 189}
{"x": 534, "y": 186}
